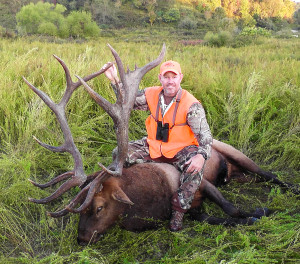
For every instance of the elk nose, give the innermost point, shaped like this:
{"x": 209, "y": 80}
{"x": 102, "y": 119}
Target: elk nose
{"x": 81, "y": 242}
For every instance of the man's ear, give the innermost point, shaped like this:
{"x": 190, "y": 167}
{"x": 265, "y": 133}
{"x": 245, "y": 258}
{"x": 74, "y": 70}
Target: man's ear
{"x": 181, "y": 76}
{"x": 159, "y": 77}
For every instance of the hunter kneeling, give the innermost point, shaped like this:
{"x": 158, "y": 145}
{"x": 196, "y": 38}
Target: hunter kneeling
{"x": 178, "y": 134}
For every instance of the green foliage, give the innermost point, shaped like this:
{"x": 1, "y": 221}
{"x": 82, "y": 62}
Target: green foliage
{"x": 254, "y": 31}
{"x": 220, "y": 39}
{"x": 47, "y": 19}
{"x": 297, "y": 19}
{"x": 250, "y": 95}
{"x": 47, "y": 28}
{"x": 171, "y": 15}
{"x": 187, "y": 23}
{"x": 273, "y": 15}
{"x": 32, "y": 16}
{"x": 81, "y": 25}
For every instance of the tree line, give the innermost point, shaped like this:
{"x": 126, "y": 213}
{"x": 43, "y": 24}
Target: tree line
{"x": 84, "y": 18}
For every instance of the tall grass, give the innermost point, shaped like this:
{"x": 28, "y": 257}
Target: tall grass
{"x": 251, "y": 96}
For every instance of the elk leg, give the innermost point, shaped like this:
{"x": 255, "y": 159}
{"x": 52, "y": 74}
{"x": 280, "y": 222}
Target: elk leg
{"x": 215, "y": 196}
{"x": 244, "y": 164}
{"x": 212, "y": 220}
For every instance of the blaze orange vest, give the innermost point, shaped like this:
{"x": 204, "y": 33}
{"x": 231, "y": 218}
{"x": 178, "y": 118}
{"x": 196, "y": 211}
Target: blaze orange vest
{"x": 180, "y": 134}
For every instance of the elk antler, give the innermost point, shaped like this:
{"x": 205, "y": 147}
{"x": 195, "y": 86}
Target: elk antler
{"x": 120, "y": 111}
{"x": 77, "y": 176}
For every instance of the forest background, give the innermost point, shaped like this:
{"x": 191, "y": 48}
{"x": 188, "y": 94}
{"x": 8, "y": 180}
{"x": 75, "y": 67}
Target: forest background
{"x": 191, "y": 19}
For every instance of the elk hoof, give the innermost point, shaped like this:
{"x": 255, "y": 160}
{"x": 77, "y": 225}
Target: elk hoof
{"x": 252, "y": 220}
{"x": 260, "y": 212}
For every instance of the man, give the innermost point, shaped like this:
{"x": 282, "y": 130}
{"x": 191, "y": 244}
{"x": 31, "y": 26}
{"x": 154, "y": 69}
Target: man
{"x": 178, "y": 134}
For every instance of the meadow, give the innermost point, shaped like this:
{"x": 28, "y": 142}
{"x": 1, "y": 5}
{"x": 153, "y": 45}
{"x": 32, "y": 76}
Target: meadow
{"x": 251, "y": 97}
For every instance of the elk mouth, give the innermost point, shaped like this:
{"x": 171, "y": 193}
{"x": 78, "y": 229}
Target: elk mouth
{"x": 94, "y": 239}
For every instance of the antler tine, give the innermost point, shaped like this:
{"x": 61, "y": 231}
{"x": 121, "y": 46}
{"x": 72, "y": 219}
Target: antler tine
{"x": 106, "y": 105}
{"x": 78, "y": 177}
{"x": 57, "y": 179}
{"x": 154, "y": 63}
{"x": 57, "y": 214}
{"x": 77, "y": 199}
{"x": 94, "y": 187}
{"x": 75, "y": 181}
{"x": 119, "y": 63}
{"x": 41, "y": 94}
{"x": 72, "y": 86}
{"x": 49, "y": 147}
{"x": 66, "y": 69}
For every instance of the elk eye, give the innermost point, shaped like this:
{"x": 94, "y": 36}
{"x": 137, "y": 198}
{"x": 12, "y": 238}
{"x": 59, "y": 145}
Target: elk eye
{"x": 99, "y": 209}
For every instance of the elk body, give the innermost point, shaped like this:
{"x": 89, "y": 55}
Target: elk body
{"x": 138, "y": 197}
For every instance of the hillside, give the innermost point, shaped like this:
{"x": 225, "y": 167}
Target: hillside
{"x": 185, "y": 14}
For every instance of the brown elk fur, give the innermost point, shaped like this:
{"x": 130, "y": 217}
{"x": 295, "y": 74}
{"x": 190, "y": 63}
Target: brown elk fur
{"x": 140, "y": 198}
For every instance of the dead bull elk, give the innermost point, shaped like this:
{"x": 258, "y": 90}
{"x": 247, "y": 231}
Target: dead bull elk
{"x": 138, "y": 198}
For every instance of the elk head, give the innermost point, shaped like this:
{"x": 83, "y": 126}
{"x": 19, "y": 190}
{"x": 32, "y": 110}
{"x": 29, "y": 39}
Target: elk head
{"x": 119, "y": 112}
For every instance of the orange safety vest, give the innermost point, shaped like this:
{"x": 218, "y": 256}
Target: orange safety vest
{"x": 180, "y": 134}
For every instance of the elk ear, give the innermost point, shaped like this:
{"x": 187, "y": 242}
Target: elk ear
{"x": 120, "y": 196}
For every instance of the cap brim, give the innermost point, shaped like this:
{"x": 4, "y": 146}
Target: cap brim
{"x": 169, "y": 70}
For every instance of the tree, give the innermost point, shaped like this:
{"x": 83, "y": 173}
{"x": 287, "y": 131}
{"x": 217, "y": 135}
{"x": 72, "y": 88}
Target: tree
{"x": 82, "y": 25}
{"x": 8, "y": 11}
{"x": 297, "y": 19}
{"x": 48, "y": 19}
{"x": 150, "y": 6}
{"x": 32, "y": 16}
{"x": 103, "y": 11}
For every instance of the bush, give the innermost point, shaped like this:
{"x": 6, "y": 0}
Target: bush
{"x": 187, "y": 23}
{"x": 47, "y": 19}
{"x": 47, "y": 28}
{"x": 227, "y": 24}
{"x": 285, "y": 33}
{"x": 254, "y": 31}
{"x": 32, "y": 16}
{"x": 81, "y": 25}
{"x": 172, "y": 15}
{"x": 220, "y": 39}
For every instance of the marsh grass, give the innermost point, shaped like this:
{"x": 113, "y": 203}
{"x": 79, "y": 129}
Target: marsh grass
{"x": 251, "y": 96}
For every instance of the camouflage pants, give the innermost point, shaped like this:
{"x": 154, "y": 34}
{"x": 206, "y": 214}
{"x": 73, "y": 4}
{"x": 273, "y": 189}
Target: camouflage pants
{"x": 138, "y": 152}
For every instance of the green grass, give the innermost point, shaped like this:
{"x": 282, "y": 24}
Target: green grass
{"x": 251, "y": 96}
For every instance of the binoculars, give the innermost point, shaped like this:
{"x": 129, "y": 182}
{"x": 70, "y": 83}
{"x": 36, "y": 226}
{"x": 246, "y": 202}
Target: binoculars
{"x": 162, "y": 132}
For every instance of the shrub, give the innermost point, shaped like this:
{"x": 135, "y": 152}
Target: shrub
{"x": 81, "y": 25}
{"x": 172, "y": 15}
{"x": 32, "y": 16}
{"x": 47, "y": 19}
{"x": 47, "y": 28}
{"x": 285, "y": 33}
{"x": 187, "y": 23}
{"x": 220, "y": 39}
{"x": 254, "y": 31}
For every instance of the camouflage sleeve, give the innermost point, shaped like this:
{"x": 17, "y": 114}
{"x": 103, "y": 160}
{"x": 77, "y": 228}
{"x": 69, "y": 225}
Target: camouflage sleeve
{"x": 196, "y": 119}
{"x": 140, "y": 100}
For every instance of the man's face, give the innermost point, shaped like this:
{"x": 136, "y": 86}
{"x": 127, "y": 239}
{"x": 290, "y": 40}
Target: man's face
{"x": 170, "y": 83}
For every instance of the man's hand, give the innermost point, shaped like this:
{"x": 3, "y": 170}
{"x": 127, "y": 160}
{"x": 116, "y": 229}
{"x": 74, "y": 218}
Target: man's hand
{"x": 196, "y": 164}
{"x": 112, "y": 74}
